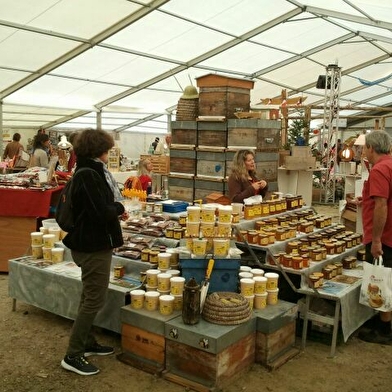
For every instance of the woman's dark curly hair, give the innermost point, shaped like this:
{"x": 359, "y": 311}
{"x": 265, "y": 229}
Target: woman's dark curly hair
{"x": 92, "y": 143}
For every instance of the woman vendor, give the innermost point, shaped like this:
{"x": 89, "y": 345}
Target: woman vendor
{"x": 145, "y": 172}
{"x": 243, "y": 182}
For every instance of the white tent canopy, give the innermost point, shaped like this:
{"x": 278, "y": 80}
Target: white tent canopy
{"x": 123, "y": 64}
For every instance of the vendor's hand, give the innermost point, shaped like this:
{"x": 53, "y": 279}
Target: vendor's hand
{"x": 358, "y": 201}
{"x": 376, "y": 249}
{"x": 259, "y": 185}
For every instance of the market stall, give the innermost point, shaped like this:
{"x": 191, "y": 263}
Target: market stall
{"x": 19, "y": 210}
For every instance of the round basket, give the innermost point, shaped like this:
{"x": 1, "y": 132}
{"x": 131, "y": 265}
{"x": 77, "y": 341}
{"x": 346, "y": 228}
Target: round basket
{"x": 226, "y": 308}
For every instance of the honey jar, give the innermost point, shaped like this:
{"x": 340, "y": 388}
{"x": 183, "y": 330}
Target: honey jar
{"x": 339, "y": 268}
{"x": 305, "y": 260}
{"x": 361, "y": 255}
{"x": 264, "y": 208}
{"x": 287, "y": 260}
{"x": 253, "y": 236}
{"x": 291, "y": 246}
{"x": 272, "y": 206}
{"x": 315, "y": 281}
{"x": 145, "y": 255}
{"x": 327, "y": 273}
{"x": 316, "y": 254}
{"x": 280, "y": 234}
{"x": 330, "y": 247}
{"x": 263, "y": 239}
{"x": 297, "y": 262}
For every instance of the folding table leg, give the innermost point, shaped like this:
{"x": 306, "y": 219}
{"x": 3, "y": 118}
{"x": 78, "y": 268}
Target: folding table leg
{"x": 305, "y": 326}
{"x": 335, "y": 328}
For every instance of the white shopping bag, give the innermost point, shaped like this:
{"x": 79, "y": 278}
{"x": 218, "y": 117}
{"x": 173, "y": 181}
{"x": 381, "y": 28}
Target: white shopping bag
{"x": 376, "y": 288}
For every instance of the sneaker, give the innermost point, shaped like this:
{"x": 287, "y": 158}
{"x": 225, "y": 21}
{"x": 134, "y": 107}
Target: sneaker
{"x": 97, "y": 349}
{"x": 375, "y": 336}
{"x": 79, "y": 365}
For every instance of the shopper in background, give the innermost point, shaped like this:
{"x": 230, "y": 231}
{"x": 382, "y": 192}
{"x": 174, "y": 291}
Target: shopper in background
{"x": 163, "y": 147}
{"x": 243, "y": 182}
{"x": 72, "y": 155}
{"x": 377, "y": 220}
{"x": 41, "y": 145}
{"x": 13, "y": 148}
{"x": 96, "y": 202}
{"x": 145, "y": 173}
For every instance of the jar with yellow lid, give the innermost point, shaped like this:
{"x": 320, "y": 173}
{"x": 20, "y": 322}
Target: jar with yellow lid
{"x": 327, "y": 273}
{"x": 330, "y": 247}
{"x": 305, "y": 260}
{"x": 315, "y": 281}
{"x": 292, "y": 246}
{"x": 257, "y": 209}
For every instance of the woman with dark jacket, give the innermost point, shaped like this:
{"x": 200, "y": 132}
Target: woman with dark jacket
{"x": 97, "y": 208}
{"x": 243, "y": 182}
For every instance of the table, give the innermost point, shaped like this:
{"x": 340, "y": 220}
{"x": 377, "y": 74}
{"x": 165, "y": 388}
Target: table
{"x": 346, "y": 296}
{"x": 348, "y": 310}
{"x": 57, "y": 288}
{"x": 19, "y": 210}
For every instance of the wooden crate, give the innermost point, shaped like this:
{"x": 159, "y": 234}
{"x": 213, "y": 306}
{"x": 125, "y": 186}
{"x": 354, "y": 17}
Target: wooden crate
{"x": 212, "y": 134}
{"x": 211, "y": 163}
{"x": 223, "y": 96}
{"x": 160, "y": 163}
{"x": 275, "y": 334}
{"x": 184, "y": 133}
{"x": 204, "y": 187}
{"x": 204, "y": 371}
{"x": 182, "y": 161}
{"x": 275, "y": 348}
{"x": 142, "y": 349}
{"x": 181, "y": 188}
{"x": 262, "y": 135}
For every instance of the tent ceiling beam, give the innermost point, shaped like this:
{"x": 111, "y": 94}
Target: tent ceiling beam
{"x": 347, "y": 17}
{"x": 83, "y": 47}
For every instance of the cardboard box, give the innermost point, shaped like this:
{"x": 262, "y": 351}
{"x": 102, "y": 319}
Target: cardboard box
{"x": 299, "y": 163}
{"x": 301, "y": 151}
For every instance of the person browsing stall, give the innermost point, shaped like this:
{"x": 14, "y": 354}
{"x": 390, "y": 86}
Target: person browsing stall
{"x": 377, "y": 220}
{"x": 41, "y": 146}
{"x": 243, "y": 182}
{"x": 13, "y": 148}
{"x": 97, "y": 205}
{"x": 145, "y": 171}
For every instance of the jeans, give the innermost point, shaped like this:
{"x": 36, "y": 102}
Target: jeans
{"x": 95, "y": 268}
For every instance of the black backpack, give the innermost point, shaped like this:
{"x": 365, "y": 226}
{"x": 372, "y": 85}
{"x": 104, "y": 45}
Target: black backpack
{"x": 64, "y": 211}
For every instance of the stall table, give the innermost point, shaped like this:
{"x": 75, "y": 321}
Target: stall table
{"x": 19, "y": 210}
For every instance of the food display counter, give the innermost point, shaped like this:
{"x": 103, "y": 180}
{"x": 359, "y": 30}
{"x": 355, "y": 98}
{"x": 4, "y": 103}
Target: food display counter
{"x": 19, "y": 210}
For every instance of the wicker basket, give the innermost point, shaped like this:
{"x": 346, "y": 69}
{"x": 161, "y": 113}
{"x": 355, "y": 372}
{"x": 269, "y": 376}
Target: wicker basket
{"x": 226, "y": 308}
{"x": 187, "y": 109}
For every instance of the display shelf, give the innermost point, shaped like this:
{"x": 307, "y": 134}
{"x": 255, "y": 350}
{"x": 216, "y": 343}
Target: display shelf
{"x": 347, "y": 309}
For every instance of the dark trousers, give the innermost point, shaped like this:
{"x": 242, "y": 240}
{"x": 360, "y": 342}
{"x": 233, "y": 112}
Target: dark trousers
{"x": 95, "y": 280}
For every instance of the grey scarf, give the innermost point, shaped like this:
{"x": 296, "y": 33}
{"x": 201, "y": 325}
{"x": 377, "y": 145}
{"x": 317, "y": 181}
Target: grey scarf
{"x": 111, "y": 181}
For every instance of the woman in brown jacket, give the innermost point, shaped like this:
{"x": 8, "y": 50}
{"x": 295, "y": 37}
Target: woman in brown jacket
{"x": 242, "y": 181}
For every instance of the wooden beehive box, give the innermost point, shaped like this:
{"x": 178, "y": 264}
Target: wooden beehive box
{"x": 211, "y": 134}
{"x": 262, "y": 135}
{"x": 275, "y": 335}
{"x": 142, "y": 338}
{"x": 184, "y": 133}
{"x": 223, "y": 96}
{"x": 206, "y": 356}
{"x": 183, "y": 160}
{"x": 204, "y": 187}
{"x": 210, "y": 163}
{"x": 181, "y": 188}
